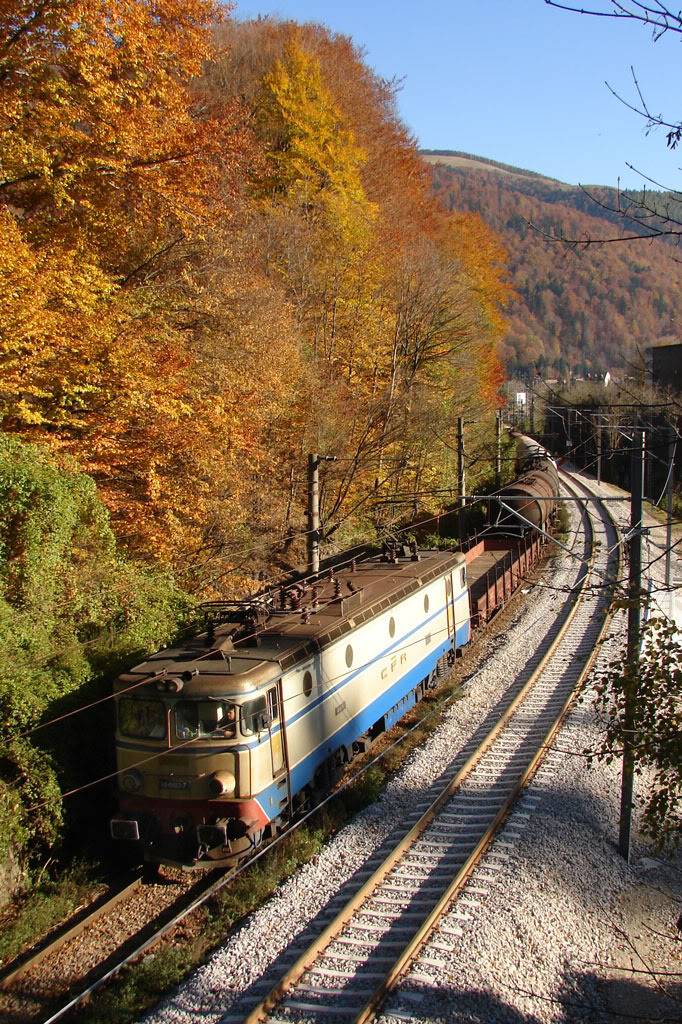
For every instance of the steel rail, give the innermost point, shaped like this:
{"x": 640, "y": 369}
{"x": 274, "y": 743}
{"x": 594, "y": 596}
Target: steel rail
{"x": 316, "y": 948}
{"x": 64, "y": 933}
{"x": 225, "y": 878}
{"x": 460, "y": 879}
{"x": 209, "y": 888}
{"x": 152, "y": 940}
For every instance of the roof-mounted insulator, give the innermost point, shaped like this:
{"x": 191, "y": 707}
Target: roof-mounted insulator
{"x": 305, "y": 617}
{"x": 337, "y": 588}
{"x": 353, "y": 565}
{"x": 351, "y": 586}
{"x": 390, "y": 551}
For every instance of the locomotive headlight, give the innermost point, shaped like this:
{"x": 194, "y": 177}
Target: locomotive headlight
{"x": 170, "y": 685}
{"x": 222, "y": 784}
{"x": 131, "y": 781}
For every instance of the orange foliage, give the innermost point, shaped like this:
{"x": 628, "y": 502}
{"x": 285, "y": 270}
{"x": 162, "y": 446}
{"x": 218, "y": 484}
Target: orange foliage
{"x": 219, "y": 251}
{"x": 587, "y": 310}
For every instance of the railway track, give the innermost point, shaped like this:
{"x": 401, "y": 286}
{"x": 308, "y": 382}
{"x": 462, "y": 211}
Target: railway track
{"x": 61, "y": 973}
{"x": 445, "y": 841}
{"x": 75, "y": 926}
{"x": 371, "y": 938}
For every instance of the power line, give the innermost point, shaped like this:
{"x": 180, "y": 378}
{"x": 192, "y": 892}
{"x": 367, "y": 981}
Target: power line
{"x": 279, "y": 580}
{"x": 249, "y": 636}
{"x": 325, "y": 682}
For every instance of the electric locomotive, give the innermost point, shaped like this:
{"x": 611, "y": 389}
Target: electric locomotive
{"x": 224, "y": 739}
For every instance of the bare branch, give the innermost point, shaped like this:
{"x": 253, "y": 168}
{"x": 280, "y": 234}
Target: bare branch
{"x": 658, "y": 17}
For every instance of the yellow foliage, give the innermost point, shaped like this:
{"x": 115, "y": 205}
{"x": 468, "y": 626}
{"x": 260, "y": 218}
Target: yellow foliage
{"x": 189, "y": 309}
{"x": 314, "y": 160}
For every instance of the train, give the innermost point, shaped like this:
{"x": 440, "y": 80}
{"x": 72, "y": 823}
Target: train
{"x": 225, "y": 739}
{"x": 529, "y": 501}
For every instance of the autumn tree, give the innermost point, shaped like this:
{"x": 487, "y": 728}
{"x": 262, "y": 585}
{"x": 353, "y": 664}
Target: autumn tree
{"x": 108, "y": 190}
{"x": 593, "y": 309}
{"x": 388, "y": 314}
{"x": 211, "y": 249}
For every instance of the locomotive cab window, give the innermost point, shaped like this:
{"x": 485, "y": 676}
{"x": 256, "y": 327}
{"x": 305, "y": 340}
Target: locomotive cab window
{"x": 143, "y": 719}
{"x": 254, "y": 716}
{"x": 463, "y": 577}
{"x": 196, "y": 719}
{"x": 273, "y": 704}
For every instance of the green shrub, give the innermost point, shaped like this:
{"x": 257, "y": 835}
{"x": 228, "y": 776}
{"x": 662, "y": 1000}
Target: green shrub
{"x": 73, "y": 611}
{"x": 49, "y": 902}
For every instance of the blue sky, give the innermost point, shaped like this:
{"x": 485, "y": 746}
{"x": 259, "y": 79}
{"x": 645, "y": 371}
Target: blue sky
{"x": 515, "y": 80}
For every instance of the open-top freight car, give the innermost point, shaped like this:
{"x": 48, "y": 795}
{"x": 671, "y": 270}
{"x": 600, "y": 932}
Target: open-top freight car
{"x": 496, "y": 566}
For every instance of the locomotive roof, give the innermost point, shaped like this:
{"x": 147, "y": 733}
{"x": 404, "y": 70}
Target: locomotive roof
{"x": 285, "y": 638}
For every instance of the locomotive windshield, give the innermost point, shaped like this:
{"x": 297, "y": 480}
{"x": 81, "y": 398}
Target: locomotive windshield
{"x": 195, "y": 719}
{"x": 143, "y": 719}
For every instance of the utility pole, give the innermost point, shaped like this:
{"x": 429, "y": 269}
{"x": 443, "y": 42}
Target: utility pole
{"x": 672, "y": 444}
{"x": 461, "y": 482}
{"x": 313, "y": 534}
{"x": 498, "y": 450}
{"x": 634, "y": 622}
{"x": 532, "y": 410}
{"x": 569, "y": 441}
{"x": 596, "y": 419}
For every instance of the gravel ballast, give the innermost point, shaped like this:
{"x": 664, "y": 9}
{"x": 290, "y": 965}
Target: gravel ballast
{"x": 537, "y": 936}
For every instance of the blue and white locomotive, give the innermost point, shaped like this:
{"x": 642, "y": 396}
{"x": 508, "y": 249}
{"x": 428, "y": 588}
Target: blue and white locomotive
{"x": 222, "y": 741}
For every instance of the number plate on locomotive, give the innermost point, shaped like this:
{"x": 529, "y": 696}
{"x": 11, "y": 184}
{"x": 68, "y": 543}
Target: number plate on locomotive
{"x": 173, "y": 784}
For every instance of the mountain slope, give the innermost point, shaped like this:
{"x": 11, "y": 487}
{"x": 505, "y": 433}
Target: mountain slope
{"x": 581, "y": 308}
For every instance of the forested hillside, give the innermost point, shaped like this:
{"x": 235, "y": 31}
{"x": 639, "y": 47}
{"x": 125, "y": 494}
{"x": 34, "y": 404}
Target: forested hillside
{"x": 218, "y": 251}
{"x": 581, "y": 309}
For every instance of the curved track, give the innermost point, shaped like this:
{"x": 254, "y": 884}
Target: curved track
{"x": 349, "y": 969}
{"x": 346, "y": 973}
